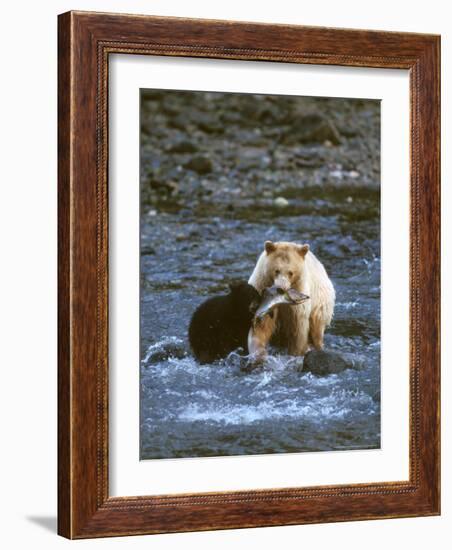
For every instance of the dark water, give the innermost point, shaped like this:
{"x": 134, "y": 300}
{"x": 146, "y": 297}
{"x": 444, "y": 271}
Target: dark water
{"x": 194, "y": 244}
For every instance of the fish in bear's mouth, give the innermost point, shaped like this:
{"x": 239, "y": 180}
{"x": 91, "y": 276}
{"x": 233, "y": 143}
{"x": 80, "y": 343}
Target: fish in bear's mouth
{"x": 274, "y": 295}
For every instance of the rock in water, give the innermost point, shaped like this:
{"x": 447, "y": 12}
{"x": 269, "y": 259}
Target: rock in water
{"x": 171, "y": 349}
{"x": 322, "y": 363}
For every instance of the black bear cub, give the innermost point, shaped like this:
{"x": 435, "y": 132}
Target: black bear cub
{"x": 221, "y": 324}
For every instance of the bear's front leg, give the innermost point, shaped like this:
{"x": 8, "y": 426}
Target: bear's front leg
{"x": 298, "y": 340}
{"x": 259, "y": 337}
{"x": 317, "y": 329}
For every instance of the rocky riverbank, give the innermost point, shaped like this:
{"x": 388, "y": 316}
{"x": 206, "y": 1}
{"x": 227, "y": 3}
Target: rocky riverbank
{"x": 235, "y": 152}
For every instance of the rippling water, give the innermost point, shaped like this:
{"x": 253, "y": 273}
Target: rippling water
{"x": 189, "y": 410}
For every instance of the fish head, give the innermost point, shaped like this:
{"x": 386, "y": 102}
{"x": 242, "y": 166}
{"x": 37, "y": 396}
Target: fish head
{"x": 275, "y": 295}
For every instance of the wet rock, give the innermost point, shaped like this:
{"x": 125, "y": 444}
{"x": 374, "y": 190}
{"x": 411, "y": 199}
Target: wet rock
{"x": 147, "y": 250}
{"x": 323, "y": 363}
{"x": 311, "y": 128}
{"x": 167, "y": 350}
{"x": 183, "y": 146}
{"x": 200, "y": 164}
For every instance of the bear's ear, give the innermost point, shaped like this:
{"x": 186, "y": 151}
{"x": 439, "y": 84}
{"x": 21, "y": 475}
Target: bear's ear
{"x": 303, "y": 249}
{"x": 269, "y": 247}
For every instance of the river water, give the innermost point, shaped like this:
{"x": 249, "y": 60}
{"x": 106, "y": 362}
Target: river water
{"x": 189, "y": 410}
{"x": 191, "y": 248}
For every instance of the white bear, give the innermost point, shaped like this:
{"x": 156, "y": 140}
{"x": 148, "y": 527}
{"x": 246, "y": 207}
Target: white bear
{"x": 291, "y": 265}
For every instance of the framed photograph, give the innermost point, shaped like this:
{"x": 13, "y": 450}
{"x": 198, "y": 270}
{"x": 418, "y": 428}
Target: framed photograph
{"x": 248, "y": 275}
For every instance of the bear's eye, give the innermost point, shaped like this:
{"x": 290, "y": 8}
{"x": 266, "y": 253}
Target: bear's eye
{"x": 277, "y": 272}
{"x": 290, "y": 273}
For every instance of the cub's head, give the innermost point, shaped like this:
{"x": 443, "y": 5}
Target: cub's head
{"x": 285, "y": 263}
{"x": 245, "y": 297}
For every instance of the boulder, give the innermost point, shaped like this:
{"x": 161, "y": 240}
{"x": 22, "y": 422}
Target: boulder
{"x": 171, "y": 349}
{"x": 323, "y": 363}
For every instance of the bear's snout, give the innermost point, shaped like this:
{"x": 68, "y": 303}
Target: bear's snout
{"x": 282, "y": 282}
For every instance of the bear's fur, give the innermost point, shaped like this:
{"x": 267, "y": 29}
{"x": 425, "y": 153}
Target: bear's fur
{"x": 291, "y": 265}
{"x": 221, "y": 324}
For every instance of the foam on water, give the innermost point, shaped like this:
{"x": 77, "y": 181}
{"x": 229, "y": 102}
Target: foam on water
{"x": 211, "y": 406}
{"x": 332, "y": 406}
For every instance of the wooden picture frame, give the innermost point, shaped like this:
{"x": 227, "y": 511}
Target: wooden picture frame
{"x": 85, "y": 42}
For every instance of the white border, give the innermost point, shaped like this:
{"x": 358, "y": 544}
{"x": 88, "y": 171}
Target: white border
{"x": 128, "y": 475}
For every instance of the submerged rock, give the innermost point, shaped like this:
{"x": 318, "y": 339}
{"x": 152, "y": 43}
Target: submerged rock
{"x": 173, "y": 349}
{"x": 322, "y": 363}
